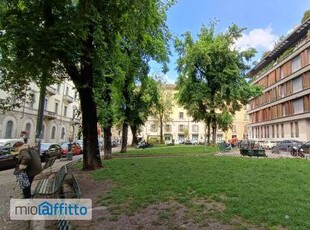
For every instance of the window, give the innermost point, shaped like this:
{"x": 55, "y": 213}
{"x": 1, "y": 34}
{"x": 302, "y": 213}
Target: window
{"x": 296, "y": 129}
{"x": 9, "y": 129}
{"x": 292, "y": 129}
{"x": 282, "y": 130}
{"x": 45, "y": 103}
{"x": 277, "y": 131}
{"x": 297, "y": 84}
{"x": 181, "y": 128}
{"x": 63, "y": 133}
{"x": 167, "y": 128}
{"x": 195, "y": 128}
{"x": 42, "y": 132}
{"x": 58, "y": 88}
{"x": 298, "y": 106}
{"x": 65, "y": 111}
{"x": 53, "y": 132}
{"x": 67, "y": 90}
{"x": 296, "y": 64}
{"x": 28, "y": 129}
{"x": 234, "y": 128}
{"x": 32, "y": 100}
{"x": 154, "y": 128}
{"x": 181, "y": 115}
{"x": 75, "y": 95}
{"x": 56, "y": 107}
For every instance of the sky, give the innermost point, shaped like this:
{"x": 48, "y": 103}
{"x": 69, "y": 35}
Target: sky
{"x": 265, "y": 20}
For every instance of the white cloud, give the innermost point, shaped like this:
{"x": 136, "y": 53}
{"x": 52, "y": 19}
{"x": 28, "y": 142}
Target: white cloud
{"x": 260, "y": 39}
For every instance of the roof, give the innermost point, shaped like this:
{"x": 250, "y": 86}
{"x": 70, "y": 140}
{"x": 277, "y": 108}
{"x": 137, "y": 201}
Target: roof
{"x": 290, "y": 40}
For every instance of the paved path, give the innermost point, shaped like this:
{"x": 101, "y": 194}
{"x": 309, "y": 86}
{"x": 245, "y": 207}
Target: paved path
{"x": 7, "y": 191}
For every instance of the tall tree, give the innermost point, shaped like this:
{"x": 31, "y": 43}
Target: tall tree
{"x": 163, "y": 107}
{"x": 147, "y": 39}
{"x": 212, "y": 81}
{"x": 78, "y": 42}
{"x": 306, "y": 16}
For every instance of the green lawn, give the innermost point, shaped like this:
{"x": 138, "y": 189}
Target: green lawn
{"x": 272, "y": 192}
{"x": 175, "y": 150}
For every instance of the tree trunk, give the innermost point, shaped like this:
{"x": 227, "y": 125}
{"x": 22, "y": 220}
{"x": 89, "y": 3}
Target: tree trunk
{"x": 91, "y": 153}
{"x": 214, "y": 133}
{"x": 107, "y": 147}
{"x": 161, "y": 130}
{"x": 124, "y": 138}
{"x": 134, "y": 130}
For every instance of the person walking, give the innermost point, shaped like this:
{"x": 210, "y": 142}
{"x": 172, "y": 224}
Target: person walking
{"x": 29, "y": 161}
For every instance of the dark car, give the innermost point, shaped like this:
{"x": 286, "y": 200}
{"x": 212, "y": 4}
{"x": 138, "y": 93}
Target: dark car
{"x": 7, "y": 160}
{"x": 188, "y": 142}
{"x": 306, "y": 147}
{"x": 50, "y": 150}
{"x": 286, "y": 146}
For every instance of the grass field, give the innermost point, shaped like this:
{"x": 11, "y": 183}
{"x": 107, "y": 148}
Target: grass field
{"x": 265, "y": 192}
{"x": 175, "y": 150}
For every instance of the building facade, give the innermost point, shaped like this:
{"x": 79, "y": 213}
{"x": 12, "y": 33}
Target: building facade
{"x": 181, "y": 126}
{"x": 60, "y": 120}
{"x": 283, "y": 110}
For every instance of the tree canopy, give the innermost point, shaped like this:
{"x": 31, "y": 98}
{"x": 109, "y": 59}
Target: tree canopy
{"x": 44, "y": 41}
{"x": 212, "y": 84}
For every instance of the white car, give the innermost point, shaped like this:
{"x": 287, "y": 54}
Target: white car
{"x": 267, "y": 144}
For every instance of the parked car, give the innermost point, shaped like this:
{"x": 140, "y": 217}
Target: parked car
{"x": 50, "y": 150}
{"x": 75, "y": 148}
{"x": 143, "y": 145}
{"x": 7, "y": 161}
{"x": 10, "y": 142}
{"x": 306, "y": 147}
{"x": 286, "y": 146}
{"x": 80, "y": 142}
{"x": 267, "y": 144}
{"x": 188, "y": 142}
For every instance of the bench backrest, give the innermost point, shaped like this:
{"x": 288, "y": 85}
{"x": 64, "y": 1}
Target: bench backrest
{"x": 59, "y": 178}
{"x": 49, "y": 162}
{"x": 76, "y": 187}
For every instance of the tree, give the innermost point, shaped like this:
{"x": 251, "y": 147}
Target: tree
{"x": 146, "y": 40}
{"x": 163, "y": 107}
{"x": 306, "y": 16}
{"x": 212, "y": 82}
{"x": 42, "y": 41}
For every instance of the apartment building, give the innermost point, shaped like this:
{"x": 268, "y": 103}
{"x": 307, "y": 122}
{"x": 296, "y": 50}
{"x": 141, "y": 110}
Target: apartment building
{"x": 181, "y": 126}
{"x": 283, "y": 111}
{"x": 60, "y": 121}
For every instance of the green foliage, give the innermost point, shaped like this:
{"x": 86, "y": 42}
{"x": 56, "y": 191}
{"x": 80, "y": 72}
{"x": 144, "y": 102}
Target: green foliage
{"x": 306, "y": 16}
{"x": 213, "y": 75}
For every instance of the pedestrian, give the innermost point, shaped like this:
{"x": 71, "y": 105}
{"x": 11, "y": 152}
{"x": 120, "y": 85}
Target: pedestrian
{"x": 29, "y": 162}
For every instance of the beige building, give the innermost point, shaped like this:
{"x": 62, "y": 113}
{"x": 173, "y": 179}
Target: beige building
{"x": 183, "y": 127}
{"x": 60, "y": 121}
{"x": 283, "y": 111}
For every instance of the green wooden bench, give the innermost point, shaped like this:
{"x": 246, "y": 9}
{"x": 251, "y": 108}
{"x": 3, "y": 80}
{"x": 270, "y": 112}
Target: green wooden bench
{"x": 49, "y": 163}
{"x": 223, "y": 147}
{"x": 51, "y": 187}
{"x": 253, "y": 152}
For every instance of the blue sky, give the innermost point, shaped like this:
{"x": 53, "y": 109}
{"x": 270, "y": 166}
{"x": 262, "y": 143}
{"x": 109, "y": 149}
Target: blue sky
{"x": 265, "y": 20}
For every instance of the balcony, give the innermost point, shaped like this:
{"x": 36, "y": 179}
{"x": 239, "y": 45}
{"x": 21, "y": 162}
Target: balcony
{"x": 51, "y": 90}
{"x": 76, "y": 121}
{"x": 50, "y": 115}
{"x": 68, "y": 98}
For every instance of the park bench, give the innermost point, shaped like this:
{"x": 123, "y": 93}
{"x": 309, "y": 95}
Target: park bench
{"x": 224, "y": 148}
{"x": 49, "y": 163}
{"x": 51, "y": 186}
{"x": 62, "y": 223}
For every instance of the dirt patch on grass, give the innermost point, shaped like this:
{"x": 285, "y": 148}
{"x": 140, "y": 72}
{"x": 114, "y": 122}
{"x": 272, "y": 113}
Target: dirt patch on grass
{"x": 197, "y": 214}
